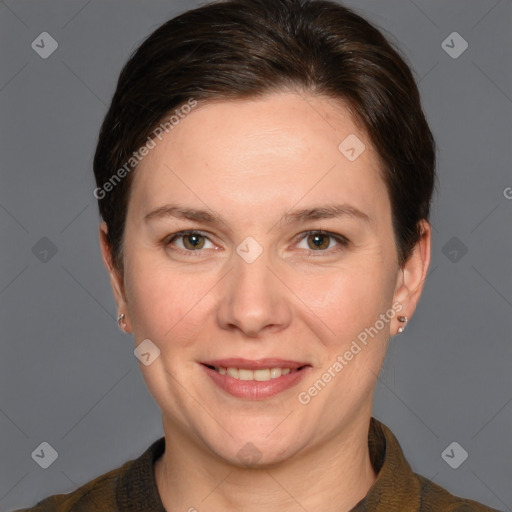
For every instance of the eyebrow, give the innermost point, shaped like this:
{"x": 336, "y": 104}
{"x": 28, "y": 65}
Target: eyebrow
{"x": 329, "y": 211}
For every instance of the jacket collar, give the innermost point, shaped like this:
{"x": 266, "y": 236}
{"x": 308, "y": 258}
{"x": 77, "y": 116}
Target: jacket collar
{"x": 396, "y": 486}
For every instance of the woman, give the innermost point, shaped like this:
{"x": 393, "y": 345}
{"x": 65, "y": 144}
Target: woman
{"x": 264, "y": 176}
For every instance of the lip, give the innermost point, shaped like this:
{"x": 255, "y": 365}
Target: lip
{"x": 256, "y": 364}
{"x": 252, "y": 389}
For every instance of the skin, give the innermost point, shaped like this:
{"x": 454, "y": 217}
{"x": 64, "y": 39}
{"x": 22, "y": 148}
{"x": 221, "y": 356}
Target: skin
{"x": 251, "y": 161}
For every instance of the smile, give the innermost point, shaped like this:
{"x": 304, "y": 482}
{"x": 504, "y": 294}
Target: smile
{"x": 255, "y": 380}
{"x": 260, "y": 375}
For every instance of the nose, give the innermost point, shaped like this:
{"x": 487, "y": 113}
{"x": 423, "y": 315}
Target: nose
{"x": 254, "y": 300}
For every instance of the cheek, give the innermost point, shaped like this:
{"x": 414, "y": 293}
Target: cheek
{"x": 347, "y": 299}
{"x": 165, "y": 305}
{"x": 349, "y": 303}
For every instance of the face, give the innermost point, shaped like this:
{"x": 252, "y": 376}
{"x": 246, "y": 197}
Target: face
{"x": 254, "y": 243}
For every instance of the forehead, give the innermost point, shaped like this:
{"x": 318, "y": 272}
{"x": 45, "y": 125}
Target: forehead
{"x": 261, "y": 154}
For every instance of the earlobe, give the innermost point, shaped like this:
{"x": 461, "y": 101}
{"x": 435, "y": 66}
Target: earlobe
{"x": 412, "y": 276}
{"x": 122, "y": 322}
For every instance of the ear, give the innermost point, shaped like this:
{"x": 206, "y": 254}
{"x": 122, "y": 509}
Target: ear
{"x": 116, "y": 278}
{"x": 411, "y": 276}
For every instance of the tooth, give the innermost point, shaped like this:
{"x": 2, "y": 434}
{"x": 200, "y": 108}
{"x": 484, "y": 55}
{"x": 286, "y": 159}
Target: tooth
{"x": 233, "y": 372}
{"x": 262, "y": 375}
{"x": 244, "y": 374}
{"x": 275, "y": 373}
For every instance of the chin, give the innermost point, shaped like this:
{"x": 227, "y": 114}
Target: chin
{"x": 258, "y": 450}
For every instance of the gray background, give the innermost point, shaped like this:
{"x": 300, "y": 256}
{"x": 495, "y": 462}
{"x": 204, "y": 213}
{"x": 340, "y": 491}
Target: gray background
{"x": 68, "y": 376}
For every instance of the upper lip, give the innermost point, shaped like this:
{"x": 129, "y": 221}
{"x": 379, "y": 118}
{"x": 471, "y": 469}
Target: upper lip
{"x": 255, "y": 364}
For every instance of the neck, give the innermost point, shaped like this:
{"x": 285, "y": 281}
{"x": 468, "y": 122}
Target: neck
{"x": 332, "y": 477}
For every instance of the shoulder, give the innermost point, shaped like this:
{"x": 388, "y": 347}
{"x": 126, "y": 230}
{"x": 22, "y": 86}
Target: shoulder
{"x": 98, "y": 495}
{"x": 131, "y": 486}
{"x": 399, "y": 488}
{"x": 434, "y": 498}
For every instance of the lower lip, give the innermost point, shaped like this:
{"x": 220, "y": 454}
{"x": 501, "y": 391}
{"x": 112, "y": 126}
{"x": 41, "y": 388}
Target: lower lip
{"x": 253, "y": 389}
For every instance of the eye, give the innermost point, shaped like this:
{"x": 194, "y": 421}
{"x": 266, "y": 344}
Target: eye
{"x": 320, "y": 241}
{"x": 191, "y": 241}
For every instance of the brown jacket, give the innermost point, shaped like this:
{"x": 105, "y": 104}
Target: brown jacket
{"x": 132, "y": 487}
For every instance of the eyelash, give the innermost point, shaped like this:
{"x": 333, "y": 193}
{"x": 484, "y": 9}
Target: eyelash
{"x": 343, "y": 241}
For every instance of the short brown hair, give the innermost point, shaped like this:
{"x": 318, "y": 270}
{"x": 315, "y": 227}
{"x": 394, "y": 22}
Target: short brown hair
{"x": 248, "y": 48}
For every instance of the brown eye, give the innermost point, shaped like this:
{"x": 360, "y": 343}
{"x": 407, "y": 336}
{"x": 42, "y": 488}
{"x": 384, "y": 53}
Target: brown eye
{"x": 318, "y": 241}
{"x": 193, "y": 241}
{"x": 189, "y": 242}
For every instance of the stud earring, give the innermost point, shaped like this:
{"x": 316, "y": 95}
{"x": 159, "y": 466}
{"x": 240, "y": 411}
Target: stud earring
{"x": 121, "y": 322}
{"x": 402, "y": 319}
